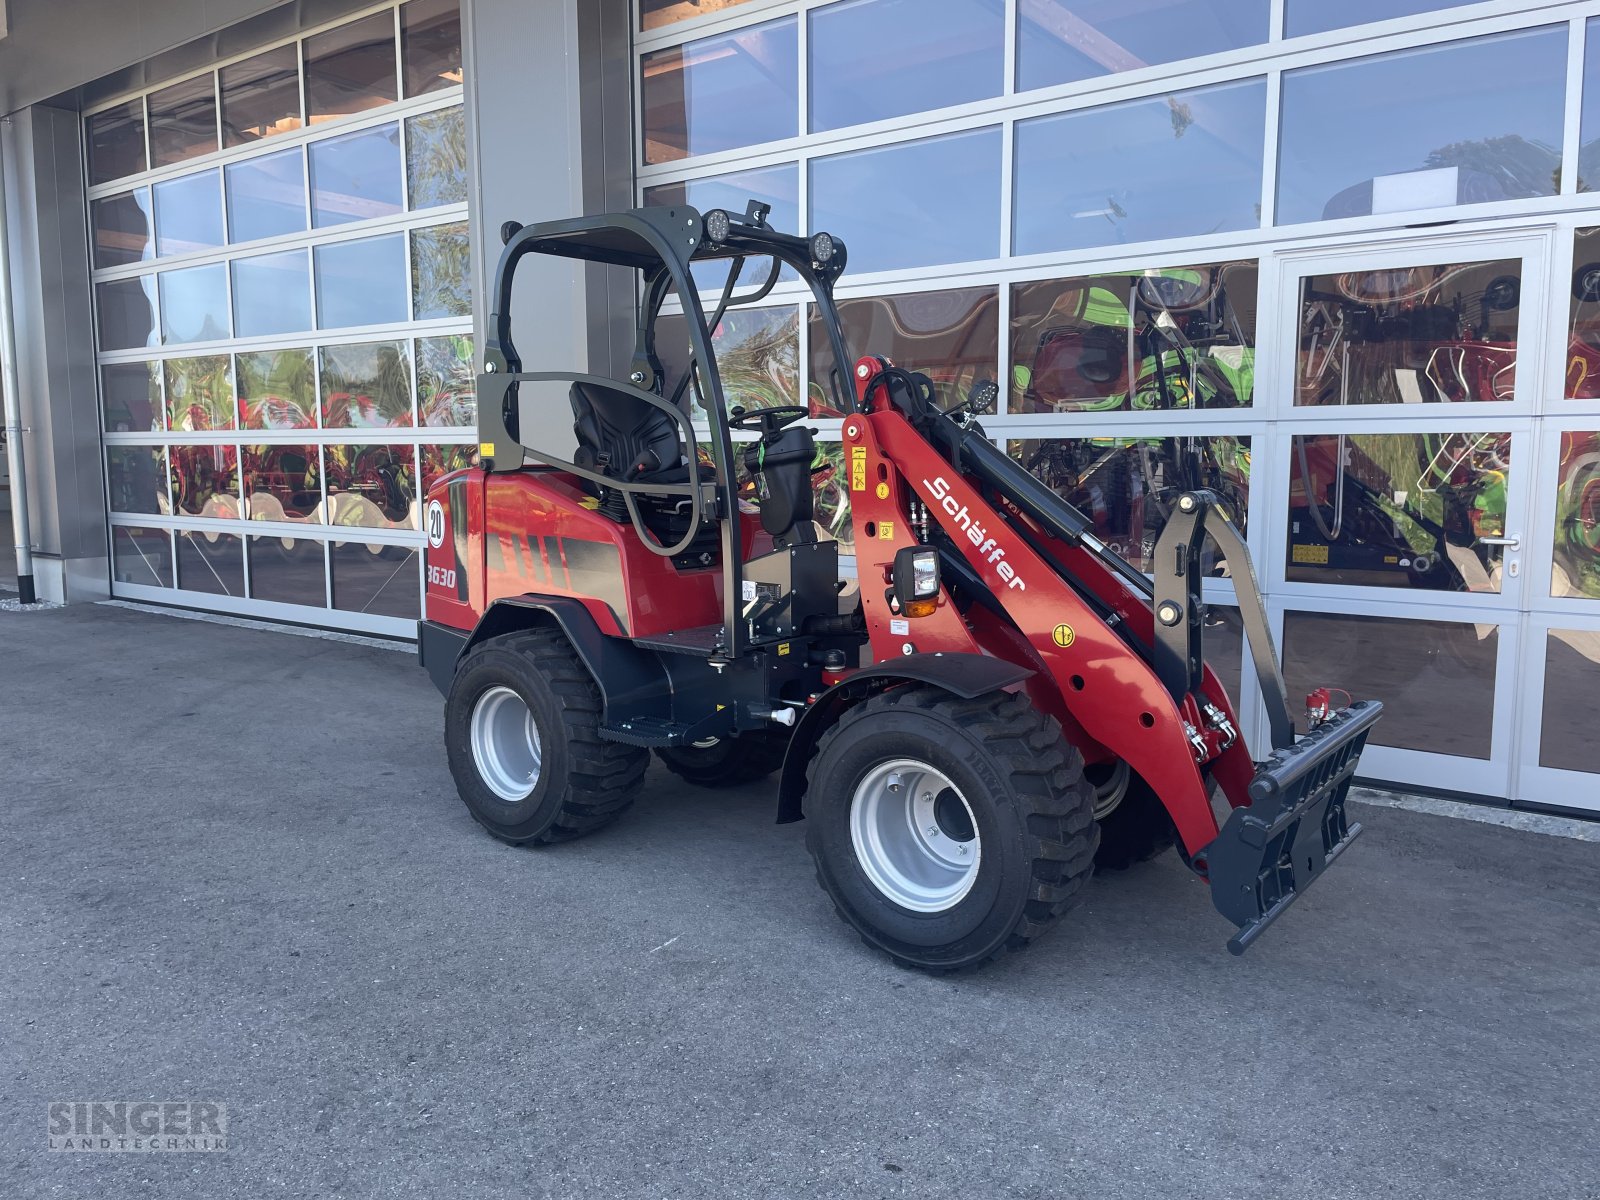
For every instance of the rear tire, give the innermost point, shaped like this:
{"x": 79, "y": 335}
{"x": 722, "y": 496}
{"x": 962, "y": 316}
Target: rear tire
{"x": 1136, "y": 828}
{"x": 522, "y": 731}
{"x": 727, "y": 762}
{"x": 889, "y": 851}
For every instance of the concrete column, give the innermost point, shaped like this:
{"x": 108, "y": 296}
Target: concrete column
{"x": 550, "y": 135}
{"x": 55, "y": 351}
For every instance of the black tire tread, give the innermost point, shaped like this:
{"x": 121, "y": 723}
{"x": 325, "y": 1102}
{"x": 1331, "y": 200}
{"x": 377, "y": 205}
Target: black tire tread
{"x": 760, "y": 754}
{"x": 1046, "y": 773}
{"x": 605, "y": 775}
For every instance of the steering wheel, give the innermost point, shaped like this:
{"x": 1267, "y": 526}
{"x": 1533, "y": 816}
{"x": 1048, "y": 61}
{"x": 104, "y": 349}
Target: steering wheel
{"x": 766, "y": 421}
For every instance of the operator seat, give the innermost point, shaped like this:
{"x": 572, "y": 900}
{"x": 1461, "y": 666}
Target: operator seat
{"x": 622, "y": 436}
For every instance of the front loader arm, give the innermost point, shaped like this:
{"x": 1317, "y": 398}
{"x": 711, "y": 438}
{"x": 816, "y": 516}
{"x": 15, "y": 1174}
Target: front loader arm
{"x": 1100, "y": 685}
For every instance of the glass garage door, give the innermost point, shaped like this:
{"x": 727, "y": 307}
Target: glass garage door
{"x": 283, "y": 296}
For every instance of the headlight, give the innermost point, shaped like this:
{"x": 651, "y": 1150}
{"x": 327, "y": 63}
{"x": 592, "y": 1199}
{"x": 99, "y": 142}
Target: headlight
{"x": 916, "y": 581}
{"x": 718, "y": 225}
{"x": 822, "y": 248}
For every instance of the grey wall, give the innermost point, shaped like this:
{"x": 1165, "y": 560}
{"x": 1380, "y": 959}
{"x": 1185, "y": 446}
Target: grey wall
{"x": 55, "y": 350}
{"x": 550, "y": 131}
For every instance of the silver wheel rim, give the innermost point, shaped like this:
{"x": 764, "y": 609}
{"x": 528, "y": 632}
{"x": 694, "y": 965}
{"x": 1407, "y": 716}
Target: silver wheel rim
{"x": 1108, "y": 792}
{"x": 505, "y": 744}
{"x": 915, "y": 835}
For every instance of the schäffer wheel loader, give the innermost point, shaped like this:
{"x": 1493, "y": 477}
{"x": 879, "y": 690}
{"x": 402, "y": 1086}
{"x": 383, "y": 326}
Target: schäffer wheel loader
{"x": 998, "y": 703}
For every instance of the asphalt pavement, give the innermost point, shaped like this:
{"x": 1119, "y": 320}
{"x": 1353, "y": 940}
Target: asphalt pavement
{"x": 233, "y": 869}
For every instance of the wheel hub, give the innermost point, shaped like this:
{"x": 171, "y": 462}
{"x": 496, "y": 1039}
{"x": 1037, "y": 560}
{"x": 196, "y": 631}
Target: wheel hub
{"x": 914, "y": 835}
{"x": 505, "y": 744}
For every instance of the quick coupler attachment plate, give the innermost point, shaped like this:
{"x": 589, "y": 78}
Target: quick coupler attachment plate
{"x": 1294, "y": 827}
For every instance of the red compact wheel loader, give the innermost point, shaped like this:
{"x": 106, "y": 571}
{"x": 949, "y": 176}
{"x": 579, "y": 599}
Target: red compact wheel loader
{"x": 1001, "y": 704}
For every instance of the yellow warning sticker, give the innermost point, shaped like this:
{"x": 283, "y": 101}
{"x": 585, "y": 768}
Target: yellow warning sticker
{"x": 1317, "y": 555}
{"x": 1063, "y": 636}
{"x": 783, "y": 648}
{"x": 886, "y": 531}
{"x": 858, "y": 468}
{"x": 883, "y": 491}
{"x": 486, "y": 449}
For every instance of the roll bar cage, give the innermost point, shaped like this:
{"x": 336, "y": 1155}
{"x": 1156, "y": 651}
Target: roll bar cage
{"x": 660, "y": 243}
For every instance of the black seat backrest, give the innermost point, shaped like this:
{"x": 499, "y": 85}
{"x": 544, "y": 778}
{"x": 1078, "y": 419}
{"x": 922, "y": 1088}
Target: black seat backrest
{"x": 622, "y": 436}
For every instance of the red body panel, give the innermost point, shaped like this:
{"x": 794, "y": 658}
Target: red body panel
{"x": 1108, "y": 700}
{"x": 539, "y": 532}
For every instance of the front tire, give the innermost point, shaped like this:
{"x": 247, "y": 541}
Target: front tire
{"x": 727, "y": 762}
{"x": 522, "y": 731}
{"x": 948, "y": 831}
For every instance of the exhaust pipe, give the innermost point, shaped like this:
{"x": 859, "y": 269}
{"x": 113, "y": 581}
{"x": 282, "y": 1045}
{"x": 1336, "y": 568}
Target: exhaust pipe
{"x": 13, "y": 402}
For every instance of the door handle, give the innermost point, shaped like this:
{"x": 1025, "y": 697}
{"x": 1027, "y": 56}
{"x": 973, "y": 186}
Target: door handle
{"x": 1514, "y": 542}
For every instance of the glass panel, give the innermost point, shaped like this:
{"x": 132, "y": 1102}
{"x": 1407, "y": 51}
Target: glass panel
{"x": 1436, "y": 678}
{"x": 361, "y": 283}
{"x": 205, "y": 481}
{"x": 211, "y": 562}
{"x": 1463, "y": 123}
{"x": 758, "y": 356}
{"x": 271, "y": 294}
{"x": 1571, "y": 682}
{"x": 436, "y": 158}
{"x": 832, "y": 509}
{"x": 447, "y": 385}
{"x": 1223, "y": 636}
{"x": 1109, "y": 176}
{"x": 430, "y": 44}
{"x": 116, "y": 142}
{"x": 142, "y": 556}
{"x": 267, "y": 196}
{"x": 1589, "y": 126}
{"x": 1318, "y": 16}
{"x": 131, "y": 393}
{"x": 351, "y": 69}
{"x": 288, "y": 571}
{"x": 655, "y": 13}
{"x": 188, "y": 214}
{"x": 199, "y": 394}
{"x": 183, "y": 121}
{"x": 366, "y": 386}
{"x": 194, "y": 305}
{"x": 122, "y": 229}
{"x": 356, "y": 177}
{"x": 721, "y": 92}
{"x": 945, "y": 52}
{"x": 1583, "y": 346}
{"x": 953, "y": 337}
{"x": 1398, "y": 509}
{"x": 136, "y": 479}
{"x": 441, "y": 460}
{"x": 778, "y": 186}
{"x": 441, "y": 272}
{"x": 1576, "y": 572}
{"x": 1128, "y": 486}
{"x": 277, "y": 390}
{"x": 956, "y": 217}
{"x": 1410, "y": 335}
{"x": 283, "y": 483}
{"x": 127, "y": 310}
{"x": 372, "y": 487}
{"x": 261, "y": 97}
{"x": 1178, "y": 338}
{"x": 1064, "y": 42}
{"x": 381, "y": 580}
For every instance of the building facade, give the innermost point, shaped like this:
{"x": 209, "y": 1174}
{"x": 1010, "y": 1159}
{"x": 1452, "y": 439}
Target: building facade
{"x": 1339, "y": 262}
